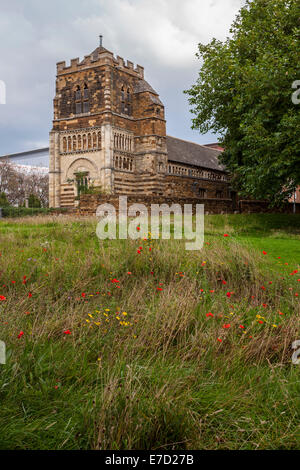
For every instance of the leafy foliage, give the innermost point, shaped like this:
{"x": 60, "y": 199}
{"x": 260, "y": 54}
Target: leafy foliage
{"x": 33, "y": 201}
{"x": 243, "y": 93}
{"x": 3, "y": 200}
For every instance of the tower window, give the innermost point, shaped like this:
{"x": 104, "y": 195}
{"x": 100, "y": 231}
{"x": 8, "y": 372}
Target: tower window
{"x": 86, "y": 92}
{"x": 78, "y": 108}
{"x": 78, "y": 93}
{"x": 82, "y": 103}
{"x": 86, "y": 107}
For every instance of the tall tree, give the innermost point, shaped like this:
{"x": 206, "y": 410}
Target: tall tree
{"x": 18, "y": 182}
{"x": 244, "y": 94}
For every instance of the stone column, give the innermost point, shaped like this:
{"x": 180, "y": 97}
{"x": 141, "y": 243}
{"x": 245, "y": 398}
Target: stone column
{"x": 54, "y": 170}
{"x": 107, "y": 162}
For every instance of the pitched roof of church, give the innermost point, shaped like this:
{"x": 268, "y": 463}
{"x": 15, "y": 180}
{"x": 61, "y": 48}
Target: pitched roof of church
{"x": 141, "y": 86}
{"x": 98, "y": 49}
{"x": 189, "y": 153}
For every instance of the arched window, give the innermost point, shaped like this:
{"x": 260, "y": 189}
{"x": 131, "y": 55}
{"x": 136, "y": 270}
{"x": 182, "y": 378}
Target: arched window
{"x": 82, "y": 103}
{"x": 78, "y": 93}
{"x": 64, "y": 144}
{"x": 79, "y": 142}
{"x": 85, "y": 92}
{"x": 84, "y": 142}
{"x": 89, "y": 140}
{"x": 128, "y": 104}
{"x": 74, "y": 143}
{"x": 69, "y": 144}
{"x": 122, "y": 100}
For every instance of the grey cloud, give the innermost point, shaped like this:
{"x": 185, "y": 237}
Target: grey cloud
{"x": 161, "y": 35}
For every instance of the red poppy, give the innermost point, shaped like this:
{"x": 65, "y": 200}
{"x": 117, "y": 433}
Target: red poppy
{"x": 227, "y": 325}
{"x": 30, "y": 295}
{"x": 228, "y": 294}
{"x": 209, "y": 314}
{"x": 241, "y": 326}
{"x": 20, "y": 334}
{"x": 226, "y": 235}
{"x": 2, "y": 297}
{"x": 219, "y": 339}
{"x": 67, "y": 332}
{"x": 224, "y": 282}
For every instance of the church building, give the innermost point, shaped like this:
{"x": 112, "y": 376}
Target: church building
{"x": 109, "y": 133}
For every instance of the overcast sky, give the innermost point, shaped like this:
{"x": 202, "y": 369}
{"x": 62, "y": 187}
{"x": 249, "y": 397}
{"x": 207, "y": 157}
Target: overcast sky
{"x": 161, "y": 35}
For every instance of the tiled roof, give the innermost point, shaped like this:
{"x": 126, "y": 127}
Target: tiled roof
{"x": 142, "y": 85}
{"x": 189, "y": 153}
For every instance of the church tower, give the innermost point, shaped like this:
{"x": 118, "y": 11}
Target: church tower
{"x": 109, "y": 130}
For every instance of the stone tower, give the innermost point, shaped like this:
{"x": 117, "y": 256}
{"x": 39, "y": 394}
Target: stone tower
{"x": 109, "y": 130}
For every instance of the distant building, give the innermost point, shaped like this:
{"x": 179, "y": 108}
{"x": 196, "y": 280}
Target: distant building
{"x": 36, "y": 158}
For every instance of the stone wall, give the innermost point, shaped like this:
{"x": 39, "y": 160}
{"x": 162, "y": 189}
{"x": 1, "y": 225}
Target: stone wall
{"x": 89, "y": 203}
{"x": 248, "y": 206}
{"x": 185, "y": 186}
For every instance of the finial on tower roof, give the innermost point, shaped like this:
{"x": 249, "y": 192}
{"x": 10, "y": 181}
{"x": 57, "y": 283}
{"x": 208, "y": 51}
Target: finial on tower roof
{"x": 100, "y": 37}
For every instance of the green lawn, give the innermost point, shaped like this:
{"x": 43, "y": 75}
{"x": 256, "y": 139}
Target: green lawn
{"x": 108, "y": 348}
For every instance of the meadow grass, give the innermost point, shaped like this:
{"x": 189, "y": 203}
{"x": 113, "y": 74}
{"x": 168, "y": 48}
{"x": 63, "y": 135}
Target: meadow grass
{"x": 108, "y": 348}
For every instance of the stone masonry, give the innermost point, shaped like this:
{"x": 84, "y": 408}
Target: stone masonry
{"x": 109, "y": 133}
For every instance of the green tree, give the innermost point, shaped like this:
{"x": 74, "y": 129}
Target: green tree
{"x": 3, "y": 200}
{"x": 244, "y": 94}
{"x": 33, "y": 201}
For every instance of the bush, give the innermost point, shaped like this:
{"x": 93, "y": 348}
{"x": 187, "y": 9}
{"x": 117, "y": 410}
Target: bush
{"x": 11, "y": 211}
{"x": 33, "y": 201}
{"x": 3, "y": 200}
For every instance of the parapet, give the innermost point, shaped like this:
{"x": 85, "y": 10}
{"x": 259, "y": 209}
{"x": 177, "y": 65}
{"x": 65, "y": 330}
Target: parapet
{"x": 100, "y": 56}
